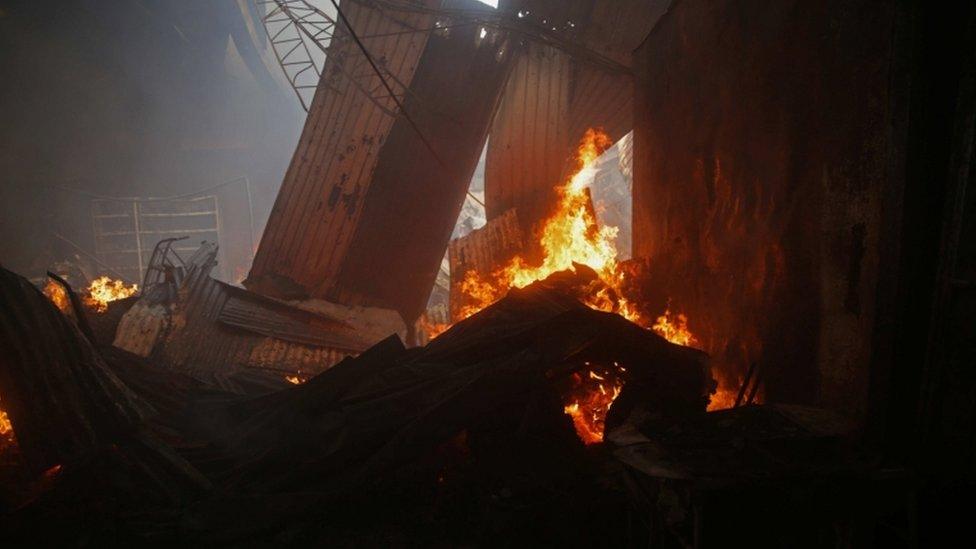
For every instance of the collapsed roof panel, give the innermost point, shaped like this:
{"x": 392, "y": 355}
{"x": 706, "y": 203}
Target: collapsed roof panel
{"x": 530, "y": 135}
{"x": 413, "y": 203}
{"x": 322, "y": 194}
{"x": 368, "y": 204}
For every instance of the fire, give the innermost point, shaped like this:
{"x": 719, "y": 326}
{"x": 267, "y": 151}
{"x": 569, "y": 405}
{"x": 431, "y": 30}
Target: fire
{"x": 592, "y": 395}
{"x": 295, "y": 380}
{"x": 7, "y": 437}
{"x": 674, "y": 328}
{"x": 432, "y": 328}
{"x": 722, "y": 399}
{"x": 55, "y": 292}
{"x": 571, "y": 235}
{"x": 103, "y": 290}
{"x": 6, "y": 428}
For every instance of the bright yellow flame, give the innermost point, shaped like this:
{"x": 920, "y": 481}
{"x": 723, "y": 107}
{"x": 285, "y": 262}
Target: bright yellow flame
{"x": 572, "y": 235}
{"x": 103, "y": 290}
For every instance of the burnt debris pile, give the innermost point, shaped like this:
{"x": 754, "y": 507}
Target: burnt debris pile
{"x": 481, "y": 436}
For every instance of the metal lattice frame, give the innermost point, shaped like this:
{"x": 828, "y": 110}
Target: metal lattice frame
{"x": 296, "y": 28}
{"x": 283, "y": 22}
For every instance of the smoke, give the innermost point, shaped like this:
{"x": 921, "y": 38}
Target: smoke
{"x": 134, "y": 99}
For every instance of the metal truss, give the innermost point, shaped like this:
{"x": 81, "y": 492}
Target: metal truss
{"x": 296, "y": 28}
{"x": 283, "y": 21}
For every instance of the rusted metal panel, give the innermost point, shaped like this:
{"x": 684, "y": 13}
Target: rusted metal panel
{"x": 529, "y": 136}
{"x": 600, "y": 100}
{"x": 482, "y": 251}
{"x": 615, "y": 28}
{"x": 322, "y": 195}
{"x": 552, "y": 98}
{"x": 376, "y": 237}
{"x": 415, "y": 197}
{"x": 286, "y": 323}
{"x": 217, "y": 330}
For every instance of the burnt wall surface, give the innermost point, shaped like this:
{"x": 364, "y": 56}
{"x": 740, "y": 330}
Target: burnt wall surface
{"x": 762, "y": 148}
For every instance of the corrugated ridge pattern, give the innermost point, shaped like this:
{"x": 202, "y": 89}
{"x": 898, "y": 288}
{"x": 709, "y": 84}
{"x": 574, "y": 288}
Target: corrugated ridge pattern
{"x": 322, "y": 194}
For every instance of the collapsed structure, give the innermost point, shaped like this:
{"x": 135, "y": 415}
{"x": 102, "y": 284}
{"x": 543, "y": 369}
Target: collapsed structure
{"x": 310, "y": 406}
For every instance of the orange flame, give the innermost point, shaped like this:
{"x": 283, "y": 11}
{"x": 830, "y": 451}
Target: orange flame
{"x": 674, "y": 328}
{"x": 55, "y": 292}
{"x": 295, "y": 380}
{"x": 6, "y": 428}
{"x": 571, "y": 235}
{"x": 7, "y": 437}
{"x": 723, "y": 398}
{"x": 103, "y": 290}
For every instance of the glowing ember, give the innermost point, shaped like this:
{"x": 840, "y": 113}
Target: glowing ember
{"x": 590, "y": 400}
{"x": 7, "y": 438}
{"x": 6, "y": 428}
{"x": 55, "y": 292}
{"x": 294, "y": 379}
{"x": 103, "y": 290}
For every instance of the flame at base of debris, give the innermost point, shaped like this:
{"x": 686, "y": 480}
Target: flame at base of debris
{"x": 295, "y": 380}
{"x": 56, "y": 293}
{"x": 571, "y": 236}
{"x": 674, "y": 328}
{"x": 590, "y": 399}
{"x": 722, "y": 399}
{"x": 104, "y": 290}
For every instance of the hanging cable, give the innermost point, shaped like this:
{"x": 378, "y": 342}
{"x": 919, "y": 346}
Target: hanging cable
{"x": 379, "y": 74}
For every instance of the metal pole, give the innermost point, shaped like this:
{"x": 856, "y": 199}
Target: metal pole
{"x": 250, "y": 213}
{"x": 135, "y": 220}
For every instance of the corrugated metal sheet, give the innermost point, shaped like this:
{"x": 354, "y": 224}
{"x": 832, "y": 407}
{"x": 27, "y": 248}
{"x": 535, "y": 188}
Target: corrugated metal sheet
{"x": 286, "y": 323}
{"x": 200, "y": 344}
{"x": 415, "y": 199}
{"x": 551, "y": 99}
{"x": 615, "y": 28}
{"x": 322, "y": 195}
{"x": 376, "y": 237}
{"x": 530, "y": 135}
{"x": 62, "y": 399}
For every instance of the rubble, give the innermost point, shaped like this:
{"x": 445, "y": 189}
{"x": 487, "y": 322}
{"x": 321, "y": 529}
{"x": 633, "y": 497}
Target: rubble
{"x": 475, "y": 415}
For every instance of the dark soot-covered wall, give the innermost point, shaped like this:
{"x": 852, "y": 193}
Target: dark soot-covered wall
{"x": 762, "y": 159}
